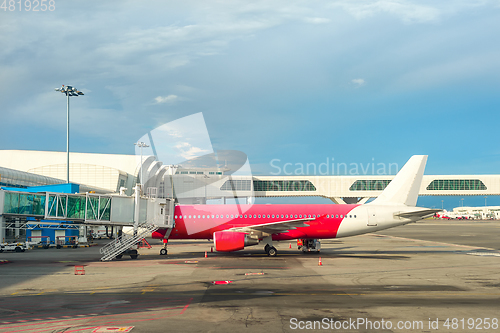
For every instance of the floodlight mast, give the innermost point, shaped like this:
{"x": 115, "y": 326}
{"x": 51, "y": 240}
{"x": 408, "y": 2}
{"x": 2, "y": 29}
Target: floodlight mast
{"x": 141, "y": 145}
{"x": 68, "y": 91}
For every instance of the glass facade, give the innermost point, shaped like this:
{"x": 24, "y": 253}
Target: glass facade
{"x": 59, "y": 206}
{"x": 369, "y": 185}
{"x": 98, "y": 208}
{"x": 24, "y": 203}
{"x": 237, "y": 185}
{"x": 20, "y": 179}
{"x": 456, "y": 185}
{"x": 76, "y": 207}
{"x": 283, "y": 185}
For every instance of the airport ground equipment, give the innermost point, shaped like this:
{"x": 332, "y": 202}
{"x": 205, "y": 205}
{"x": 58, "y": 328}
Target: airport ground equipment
{"x": 61, "y": 240}
{"x": 44, "y": 241}
{"x": 79, "y": 270}
{"x": 309, "y": 245}
{"x": 126, "y": 245}
{"x": 17, "y": 247}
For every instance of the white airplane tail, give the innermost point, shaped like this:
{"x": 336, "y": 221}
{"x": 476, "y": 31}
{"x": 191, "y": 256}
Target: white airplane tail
{"x": 404, "y": 188}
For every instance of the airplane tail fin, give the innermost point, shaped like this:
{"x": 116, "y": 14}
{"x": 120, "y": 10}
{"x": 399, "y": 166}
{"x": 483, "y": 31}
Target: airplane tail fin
{"x": 404, "y": 188}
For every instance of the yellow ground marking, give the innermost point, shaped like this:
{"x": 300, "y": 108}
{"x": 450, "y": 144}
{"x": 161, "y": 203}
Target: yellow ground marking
{"x": 148, "y": 289}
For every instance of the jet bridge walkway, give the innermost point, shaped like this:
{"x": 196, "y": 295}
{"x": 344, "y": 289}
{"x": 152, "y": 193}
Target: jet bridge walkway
{"x": 30, "y": 210}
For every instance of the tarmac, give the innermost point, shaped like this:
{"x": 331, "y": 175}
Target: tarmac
{"x": 431, "y": 276}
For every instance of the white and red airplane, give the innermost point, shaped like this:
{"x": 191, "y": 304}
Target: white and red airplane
{"x": 233, "y": 227}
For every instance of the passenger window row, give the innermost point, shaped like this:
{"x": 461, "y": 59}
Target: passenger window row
{"x": 286, "y": 216}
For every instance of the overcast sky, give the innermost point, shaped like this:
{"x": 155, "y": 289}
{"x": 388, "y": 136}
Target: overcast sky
{"x": 294, "y": 81}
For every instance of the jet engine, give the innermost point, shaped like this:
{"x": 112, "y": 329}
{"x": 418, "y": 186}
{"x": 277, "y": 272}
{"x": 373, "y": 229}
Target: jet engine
{"x": 226, "y": 241}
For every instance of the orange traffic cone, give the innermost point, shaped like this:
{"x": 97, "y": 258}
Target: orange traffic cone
{"x": 206, "y": 254}
{"x": 319, "y": 262}
{"x": 290, "y": 246}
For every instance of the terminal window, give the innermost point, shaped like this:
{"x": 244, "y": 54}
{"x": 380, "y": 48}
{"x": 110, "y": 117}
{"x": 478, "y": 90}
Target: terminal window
{"x": 369, "y": 185}
{"x": 283, "y": 185}
{"x": 456, "y": 185}
{"x": 237, "y": 185}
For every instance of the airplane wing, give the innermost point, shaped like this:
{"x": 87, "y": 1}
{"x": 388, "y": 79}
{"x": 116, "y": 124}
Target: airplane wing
{"x": 274, "y": 227}
{"x": 419, "y": 213}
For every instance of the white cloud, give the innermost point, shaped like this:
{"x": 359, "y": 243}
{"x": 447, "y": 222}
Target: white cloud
{"x": 216, "y": 57}
{"x": 165, "y": 99}
{"x": 358, "y": 82}
{"x": 406, "y": 11}
{"x": 182, "y": 145}
{"x": 316, "y": 20}
{"x": 193, "y": 152}
{"x": 187, "y": 151}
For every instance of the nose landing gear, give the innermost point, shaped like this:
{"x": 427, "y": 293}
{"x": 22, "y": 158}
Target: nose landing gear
{"x": 164, "y": 251}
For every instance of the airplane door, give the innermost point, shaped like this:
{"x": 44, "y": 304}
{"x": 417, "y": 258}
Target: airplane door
{"x": 372, "y": 218}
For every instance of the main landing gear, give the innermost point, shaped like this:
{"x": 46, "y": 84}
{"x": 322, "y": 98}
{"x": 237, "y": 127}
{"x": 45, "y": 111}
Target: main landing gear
{"x": 271, "y": 250}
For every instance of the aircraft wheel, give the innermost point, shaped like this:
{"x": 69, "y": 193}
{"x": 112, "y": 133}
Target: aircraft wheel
{"x": 133, "y": 254}
{"x": 163, "y": 252}
{"x": 272, "y": 252}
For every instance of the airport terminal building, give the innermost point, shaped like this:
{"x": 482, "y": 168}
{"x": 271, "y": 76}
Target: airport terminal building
{"x": 113, "y": 173}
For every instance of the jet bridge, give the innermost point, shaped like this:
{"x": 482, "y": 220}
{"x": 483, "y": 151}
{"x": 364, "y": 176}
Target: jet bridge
{"x": 23, "y": 209}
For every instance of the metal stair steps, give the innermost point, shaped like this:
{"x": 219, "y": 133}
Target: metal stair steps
{"x": 122, "y": 243}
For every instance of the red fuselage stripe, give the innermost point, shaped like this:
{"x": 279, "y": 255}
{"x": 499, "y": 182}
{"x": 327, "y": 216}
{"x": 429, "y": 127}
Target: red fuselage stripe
{"x": 201, "y": 221}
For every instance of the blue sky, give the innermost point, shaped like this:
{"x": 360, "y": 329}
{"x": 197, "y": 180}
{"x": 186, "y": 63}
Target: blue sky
{"x": 298, "y": 81}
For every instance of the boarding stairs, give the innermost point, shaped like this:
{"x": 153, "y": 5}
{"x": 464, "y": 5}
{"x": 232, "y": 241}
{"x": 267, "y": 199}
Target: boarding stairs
{"x": 125, "y": 242}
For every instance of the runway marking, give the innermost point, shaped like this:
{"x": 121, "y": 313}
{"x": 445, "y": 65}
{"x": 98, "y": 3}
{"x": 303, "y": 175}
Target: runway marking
{"x": 221, "y": 282}
{"x": 82, "y": 329}
{"x": 246, "y": 267}
{"x": 427, "y": 241}
{"x": 98, "y": 289}
{"x": 149, "y": 289}
{"x": 104, "y": 329}
{"x": 392, "y": 294}
{"x": 95, "y": 317}
{"x": 484, "y": 254}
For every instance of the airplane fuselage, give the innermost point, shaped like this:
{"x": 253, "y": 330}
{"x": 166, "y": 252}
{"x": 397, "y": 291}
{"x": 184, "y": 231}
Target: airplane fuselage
{"x": 328, "y": 221}
{"x": 233, "y": 227}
